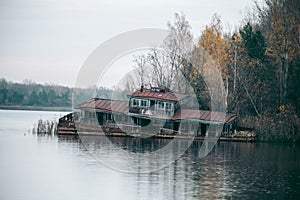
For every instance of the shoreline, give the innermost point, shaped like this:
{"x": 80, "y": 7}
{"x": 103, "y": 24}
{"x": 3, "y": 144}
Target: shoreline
{"x": 35, "y": 108}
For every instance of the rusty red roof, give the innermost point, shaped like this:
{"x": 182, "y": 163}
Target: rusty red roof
{"x": 204, "y": 115}
{"x": 122, "y": 107}
{"x": 105, "y": 105}
{"x": 168, "y": 96}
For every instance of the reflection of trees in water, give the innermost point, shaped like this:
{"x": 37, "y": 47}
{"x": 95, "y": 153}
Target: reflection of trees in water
{"x": 131, "y": 144}
{"x": 139, "y": 145}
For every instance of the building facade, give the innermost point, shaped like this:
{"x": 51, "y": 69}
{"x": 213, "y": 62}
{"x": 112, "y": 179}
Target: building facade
{"x": 153, "y": 111}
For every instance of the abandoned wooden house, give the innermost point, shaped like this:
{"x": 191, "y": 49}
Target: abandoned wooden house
{"x": 151, "y": 111}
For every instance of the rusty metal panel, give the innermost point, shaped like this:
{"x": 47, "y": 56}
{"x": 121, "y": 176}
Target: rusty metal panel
{"x": 168, "y": 96}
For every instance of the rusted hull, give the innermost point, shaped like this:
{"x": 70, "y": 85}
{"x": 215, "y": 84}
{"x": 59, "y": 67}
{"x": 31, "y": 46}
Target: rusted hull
{"x": 67, "y": 126}
{"x": 98, "y": 131}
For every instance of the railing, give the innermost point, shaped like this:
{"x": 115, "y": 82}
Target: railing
{"x": 143, "y": 111}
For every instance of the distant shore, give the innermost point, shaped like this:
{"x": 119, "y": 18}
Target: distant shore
{"x": 38, "y": 108}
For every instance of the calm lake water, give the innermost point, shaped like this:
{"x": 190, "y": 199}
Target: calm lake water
{"x": 50, "y": 167}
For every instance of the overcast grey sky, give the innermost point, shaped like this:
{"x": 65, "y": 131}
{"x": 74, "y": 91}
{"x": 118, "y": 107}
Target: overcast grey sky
{"x": 47, "y": 41}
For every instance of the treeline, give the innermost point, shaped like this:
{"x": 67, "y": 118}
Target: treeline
{"x": 265, "y": 55}
{"x": 38, "y": 95}
{"x": 259, "y": 65}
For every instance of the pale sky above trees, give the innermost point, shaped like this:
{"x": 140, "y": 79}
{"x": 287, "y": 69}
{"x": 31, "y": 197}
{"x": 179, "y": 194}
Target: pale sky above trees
{"x": 48, "y": 40}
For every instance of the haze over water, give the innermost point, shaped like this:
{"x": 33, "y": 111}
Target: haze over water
{"x": 51, "y": 167}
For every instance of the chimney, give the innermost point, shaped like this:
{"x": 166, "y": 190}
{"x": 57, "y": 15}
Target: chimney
{"x": 142, "y": 88}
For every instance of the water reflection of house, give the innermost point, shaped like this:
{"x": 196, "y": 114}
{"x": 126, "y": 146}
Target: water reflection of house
{"x": 152, "y": 111}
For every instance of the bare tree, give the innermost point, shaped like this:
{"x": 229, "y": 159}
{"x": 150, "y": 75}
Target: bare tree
{"x": 166, "y": 65}
{"x": 170, "y": 60}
